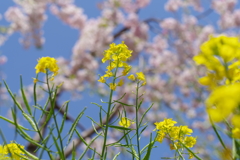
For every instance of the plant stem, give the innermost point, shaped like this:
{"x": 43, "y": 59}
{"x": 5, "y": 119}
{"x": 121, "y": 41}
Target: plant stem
{"x": 137, "y": 126}
{"x": 108, "y": 115}
{"x": 54, "y": 116}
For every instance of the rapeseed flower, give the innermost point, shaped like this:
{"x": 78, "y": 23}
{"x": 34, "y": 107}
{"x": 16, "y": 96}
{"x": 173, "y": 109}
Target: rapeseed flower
{"x": 221, "y": 56}
{"x": 113, "y": 86}
{"x": 236, "y": 133}
{"x": 131, "y": 77}
{"x": 176, "y": 134}
{"x": 117, "y": 55}
{"x": 11, "y": 150}
{"x": 120, "y": 83}
{"x": 141, "y": 77}
{"x": 190, "y": 141}
{"x": 166, "y": 124}
{"x": 236, "y": 120}
{"x": 125, "y": 122}
{"x": 102, "y": 80}
{"x": 223, "y": 101}
{"x": 45, "y": 63}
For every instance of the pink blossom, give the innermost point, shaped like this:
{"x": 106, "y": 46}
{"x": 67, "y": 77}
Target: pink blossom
{"x": 70, "y": 14}
{"x": 222, "y": 6}
{"x": 3, "y": 60}
{"x": 169, "y": 24}
{"x": 173, "y": 5}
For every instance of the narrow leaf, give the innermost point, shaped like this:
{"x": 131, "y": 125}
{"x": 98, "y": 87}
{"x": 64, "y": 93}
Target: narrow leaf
{"x": 29, "y": 119}
{"x": 71, "y": 131}
{"x": 118, "y": 127}
{"x": 24, "y": 97}
{"x": 13, "y": 98}
{"x": 9, "y": 121}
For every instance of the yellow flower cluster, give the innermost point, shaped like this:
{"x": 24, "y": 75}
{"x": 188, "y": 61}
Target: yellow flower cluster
{"x": 117, "y": 55}
{"x": 125, "y": 122}
{"x": 11, "y": 150}
{"x": 140, "y": 77}
{"x": 221, "y": 56}
{"x": 49, "y": 63}
{"x": 176, "y": 134}
{"x": 223, "y": 101}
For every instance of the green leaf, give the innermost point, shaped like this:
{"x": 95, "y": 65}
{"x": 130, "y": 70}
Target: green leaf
{"x": 24, "y": 97}
{"x": 27, "y": 153}
{"x": 71, "y": 131}
{"x": 235, "y": 149}
{"x": 189, "y": 150}
{"x": 95, "y": 129}
{"x": 99, "y": 107}
{"x": 133, "y": 153}
{"x": 130, "y": 105}
{"x": 94, "y": 121}
{"x": 58, "y": 148}
{"x": 88, "y": 146}
{"x": 218, "y": 135}
{"x": 9, "y": 121}
{"x": 64, "y": 117}
{"x": 29, "y": 119}
{"x": 34, "y": 92}
{"x": 118, "y": 127}
{"x": 37, "y": 144}
{"x": 83, "y": 140}
{"x": 73, "y": 152}
{"x": 13, "y": 98}
{"x": 125, "y": 134}
{"x": 147, "y": 156}
{"x": 115, "y": 157}
{"x": 150, "y": 146}
{"x": 144, "y": 114}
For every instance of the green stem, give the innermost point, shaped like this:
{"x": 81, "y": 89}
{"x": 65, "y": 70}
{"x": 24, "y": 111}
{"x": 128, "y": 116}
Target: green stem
{"x": 137, "y": 126}
{"x": 108, "y": 115}
{"x": 54, "y": 116}
{"x": 40, "y": 135}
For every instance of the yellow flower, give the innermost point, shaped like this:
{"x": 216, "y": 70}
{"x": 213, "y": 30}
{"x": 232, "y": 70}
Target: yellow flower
{"x": 190, "y": 155}
{"x": 108, "y": 74}
{"x": 174, "y": 133}
{"x": 140, "y": 76}
{"x": 120, "y": 83}
{"x": 175, "y": 146}
{"x": 166, "y": 124}
{"x": 190, "y": 141}
{"x": 118, "y": 52}
{"x": 52, "y": 78}
{"x": 160, "y": 136}
{"x": 126, "y": 70}
{"x": 236, "y": 133}
{"x": 185, "y": 130}
{"x": 125, "y": 122}
{"x": 102, "y": 80}
{"x": 223, "y": 101}
{"x": 144, "y": 83}
{"x": 47, "y": 63}
{"x": 3, "y": 151}
{"x": 113, "y": 86}
{"x": 35, "y": 80}
{"x": 236, "y": 120}
{"x": 131, "y": 77}
{"x": 14, "y": 150}
{"x": 216, "y": 55}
